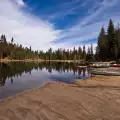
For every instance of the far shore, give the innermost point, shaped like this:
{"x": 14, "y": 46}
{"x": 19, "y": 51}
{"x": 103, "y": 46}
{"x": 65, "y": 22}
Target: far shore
{"x": 96, "y": 98}
{"x": 43, "y": 60}
{"x": 26, "y": 60}
{"x": 34, "y": 60}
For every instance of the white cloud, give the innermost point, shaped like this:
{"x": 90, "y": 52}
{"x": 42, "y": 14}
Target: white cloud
{"x": 89, "y": 27}
{"x": 26, "y": 29}
{"x": 20, "y": 2}
{"x": 102, "y": 7}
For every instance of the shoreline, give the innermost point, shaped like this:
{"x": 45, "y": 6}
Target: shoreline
{"x": 24, "y": 92}
{"x": 36, "y": 60}
{"x": 78, "y": 83}
{"x": 26, "y": 60}
{"x": 95, "y": 98}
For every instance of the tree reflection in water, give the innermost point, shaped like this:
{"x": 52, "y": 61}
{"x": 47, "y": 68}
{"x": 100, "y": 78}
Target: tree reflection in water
{"x": 16, "y": 69}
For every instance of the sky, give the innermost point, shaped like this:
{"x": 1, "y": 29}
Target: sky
{"x": 42, "y": 24}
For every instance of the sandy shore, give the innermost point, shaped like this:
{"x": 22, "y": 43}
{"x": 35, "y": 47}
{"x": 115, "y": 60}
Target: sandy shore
{"x": 94, "y": 99}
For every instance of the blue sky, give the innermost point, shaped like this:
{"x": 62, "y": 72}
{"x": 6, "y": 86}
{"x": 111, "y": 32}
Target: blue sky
{"x": 56, "y": 23}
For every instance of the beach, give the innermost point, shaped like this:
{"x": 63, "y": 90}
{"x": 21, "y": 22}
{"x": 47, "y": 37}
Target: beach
{"x": 97, "y": 98}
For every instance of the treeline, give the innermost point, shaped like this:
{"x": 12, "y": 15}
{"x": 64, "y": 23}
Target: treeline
{"x": 11, "y": 50}
{"x": 108, "y": 47}
{"x": 69, "y": 54}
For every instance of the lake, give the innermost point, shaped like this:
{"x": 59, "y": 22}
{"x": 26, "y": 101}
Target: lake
{"x": 16, "y": 77}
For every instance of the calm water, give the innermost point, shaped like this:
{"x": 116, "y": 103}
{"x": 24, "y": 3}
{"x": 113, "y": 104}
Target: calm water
{"x": 18, "y": 77}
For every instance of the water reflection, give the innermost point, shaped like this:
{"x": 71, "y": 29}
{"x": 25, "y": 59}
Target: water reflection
{"x": 11, "y": 70}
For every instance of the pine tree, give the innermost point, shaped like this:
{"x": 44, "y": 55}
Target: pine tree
{"x": 88, "y": 57}
{"x": 84, "y": 53}
{"x": 111, "y": 40}
{"x": 4, "y": 39}
{"x": 117, "y": 37}
{"x": 12, "y": 40}
{"x": 91, "y": 50}
{"x": 74, "y": 53}
{"x": 80, "y": 53}
{"x": 50, "y": 53}
{"x": 102, "y": 48}
{"x": 97, "y": 57}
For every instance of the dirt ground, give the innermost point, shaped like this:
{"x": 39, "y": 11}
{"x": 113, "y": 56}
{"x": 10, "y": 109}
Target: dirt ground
{"x": 95, "y": 99}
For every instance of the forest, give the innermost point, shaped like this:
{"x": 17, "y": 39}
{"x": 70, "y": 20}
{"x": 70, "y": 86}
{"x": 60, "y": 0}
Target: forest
{"x": 108, "y": 48}
{"x": 10, "y": 50}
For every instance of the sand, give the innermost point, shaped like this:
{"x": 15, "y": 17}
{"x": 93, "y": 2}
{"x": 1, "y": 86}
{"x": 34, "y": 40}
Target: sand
{"x": 94, "y": 99}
